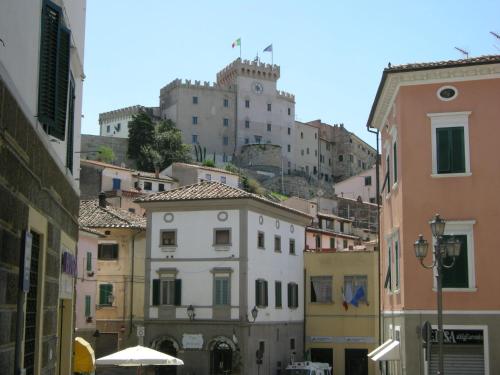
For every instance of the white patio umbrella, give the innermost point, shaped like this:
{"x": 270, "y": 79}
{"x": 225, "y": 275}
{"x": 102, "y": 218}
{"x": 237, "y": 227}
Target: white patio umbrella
{"x": 139, "y": 356}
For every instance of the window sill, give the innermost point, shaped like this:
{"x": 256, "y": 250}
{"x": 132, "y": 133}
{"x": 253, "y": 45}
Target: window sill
{"x": 323, "y": 303}
{"x": 465, "y": 290}
{"x": 222, "y": 247}
{"x": 445, "y": 175}
{"x": 168, "y": 248}
{"x": 261, "y": 248}
{"x": 294, "y": 254}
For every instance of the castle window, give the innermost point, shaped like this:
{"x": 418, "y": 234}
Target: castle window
{"x": 194, "y": 120}
{"x": 226, "y": 103}
{"x": 247, "y": 103}
{"x": 226, "y": 122}
{"x": 225, "y": 140}
{"x": 247, "y": 124}
{"x": 289, "y": 131}
{"x": 268, "y": 127}
{"x": 268, "y": 107}
{"x": 289, "y": 111}
{"x": 195, "y": 100}
{"x": 247, "y": 141}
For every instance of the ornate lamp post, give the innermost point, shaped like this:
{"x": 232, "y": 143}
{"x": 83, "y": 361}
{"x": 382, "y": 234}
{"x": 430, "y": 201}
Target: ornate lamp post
{"x": 190, "y": 312}
{"x": 443, "y": 249}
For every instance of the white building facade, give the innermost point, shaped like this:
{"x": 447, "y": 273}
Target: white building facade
{"x": 234, "y": 289}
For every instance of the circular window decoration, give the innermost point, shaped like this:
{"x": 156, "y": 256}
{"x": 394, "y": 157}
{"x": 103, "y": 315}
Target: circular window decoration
{"x": 447, "y": 93}
{"x": 261, "y": 220}
{"x": 277, "y": 224}
{"x": 292, "y": 228}
{"x": 168, "y": 217}
{"x": 222, "y": 216}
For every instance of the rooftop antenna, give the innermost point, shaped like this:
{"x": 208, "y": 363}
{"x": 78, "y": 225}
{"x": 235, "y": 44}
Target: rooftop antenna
{"x": 496, "y": 36}
{"x": 464, "y": 52}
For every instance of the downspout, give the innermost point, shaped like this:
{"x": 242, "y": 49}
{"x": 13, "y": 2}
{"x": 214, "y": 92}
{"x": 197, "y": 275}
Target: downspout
{"x": 377, "y": 179}
{"x": 132, "y": 283}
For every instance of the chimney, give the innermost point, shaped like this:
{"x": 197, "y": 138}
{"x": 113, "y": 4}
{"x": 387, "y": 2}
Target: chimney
{"x": 102, "y": 199}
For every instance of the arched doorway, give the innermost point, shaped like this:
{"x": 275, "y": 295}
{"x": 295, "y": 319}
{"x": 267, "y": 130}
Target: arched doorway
{"x": 169, "y": 347}
{"x": 221, "y": 356}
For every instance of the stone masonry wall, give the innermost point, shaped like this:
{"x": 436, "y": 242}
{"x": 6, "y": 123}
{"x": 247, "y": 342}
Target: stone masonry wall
{"x": 91, "y": 143}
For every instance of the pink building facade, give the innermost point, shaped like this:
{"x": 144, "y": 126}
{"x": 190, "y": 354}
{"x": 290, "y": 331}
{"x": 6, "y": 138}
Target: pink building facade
{"x": 439, "y": 125}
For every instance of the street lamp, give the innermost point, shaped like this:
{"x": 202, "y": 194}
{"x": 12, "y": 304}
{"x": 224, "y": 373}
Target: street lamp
{"x": 443, "y": 249}
{"x": 254, "y": 312}
{"x": 190, "y": 312}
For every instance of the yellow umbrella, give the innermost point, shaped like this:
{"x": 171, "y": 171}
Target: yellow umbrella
{"x": 83, "y": 356}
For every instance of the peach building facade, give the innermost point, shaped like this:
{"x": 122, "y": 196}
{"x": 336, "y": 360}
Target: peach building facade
{"x": 439, "y": 127}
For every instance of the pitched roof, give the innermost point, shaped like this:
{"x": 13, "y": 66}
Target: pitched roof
{"x": 91, "y": 231}
{"x": 94, "y": 216}
{"x": 152, "y": 175}
{"x": 488, "y": 59}
{"x": 219, "y": 170}
{"x": 209, "y": 190}
{"x": 335, "y": 217}
{"x": 104, "y": 165}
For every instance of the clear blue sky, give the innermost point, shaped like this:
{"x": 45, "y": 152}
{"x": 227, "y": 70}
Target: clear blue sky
{"x": 331, "y": 53}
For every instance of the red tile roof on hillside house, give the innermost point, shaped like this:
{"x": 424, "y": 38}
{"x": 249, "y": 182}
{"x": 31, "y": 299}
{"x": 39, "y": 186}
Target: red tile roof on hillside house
{"x": 209, "y": 190}
{"x": 94, "y": 216}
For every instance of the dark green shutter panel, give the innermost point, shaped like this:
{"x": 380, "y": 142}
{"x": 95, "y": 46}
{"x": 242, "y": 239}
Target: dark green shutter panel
{"x": 89, "y": 261}
{"x": 115, "y": 251}
{"x": 87, "y": 305}
{"x": 178, "y": 292}
{"x": 296, "y": 295}
{"x": 458, "y": 147}
{"x": 443, "y": 138}
{"x": 156, "y": 292}
{"x": 71, "y": 125}
{"x": 48, "y": 65}
{"x": 265, "y": 294}
{"x": 458, "y": 276}
{"x": 395, "y": 162}
{"x": 58, "y": 130}
{"x": 313, "y": 292}
{"x": 289, "y": 295}
{"x": 257, "y": 293}
{"x": 278, "y": 293}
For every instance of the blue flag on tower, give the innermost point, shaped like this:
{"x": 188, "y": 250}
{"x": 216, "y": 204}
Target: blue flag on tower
{"x": 360, "y": 293}
{"x": 269, "y": 48}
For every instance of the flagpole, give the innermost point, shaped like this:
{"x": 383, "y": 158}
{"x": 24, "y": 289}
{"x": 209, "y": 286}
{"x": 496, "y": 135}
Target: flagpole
{"x": 240, "y": 49}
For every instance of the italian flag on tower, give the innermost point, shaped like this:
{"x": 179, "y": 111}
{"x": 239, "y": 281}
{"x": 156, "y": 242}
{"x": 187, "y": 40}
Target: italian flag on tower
{"x": 237, "y": 42}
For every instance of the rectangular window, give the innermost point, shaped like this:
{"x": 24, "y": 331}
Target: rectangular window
{"x": 395, "y": 162}
{"x": 106, "y": 294}
{"x": 458, "y": 275}
{"x": 226, "y": 122}
{"x": 87, "y": 306}
{"x": 268, "y": 107}
{"x": 289, "y": 131}
{"x": 342, "y": 227}
{"x": 258, "y": 139}
{"x": 194, "y": 139}
{"x": 247, "y": 103}
{"x": 208, "y": 177}
{"x": 195, "y": 100}
{"x": 54, "y": 71}
{"x": 194, "y": 120}
{"x": 345, "y": 244}
{"x": 268, "y": 127}
{"x": 89, "y": 261}
{"x": 261, "y": 293}
{"x": 108, "y": 129}
{"x": 293, "y": 295}
{"x": 277, "y": 244}
{"x": 329, "y": 224}
{"x": 291, "y": 246}
{"x": 450, "y": 150}
{"x": 351, "y": 158}
{"x": 332, "y": 243}
{"x": 321, "y": 289}
{"x": 289, "y": 148}
{"x": 247, "y": 141}
{"x": 226, "y": 103}
{"x": 161, "y": 187}
{"x": 289, "y": 111}
{"x": 148, "y": 185}
{"x": 307, "y": 150}
{"x": 277, "y": 294}
{"x": 292, "y": 344}
{"x": 107, "y": 251}
{"x": 396, "y": 264}
{"x": 368, "y": 180}
{"x": 318, "y": 242}
{"x": 341, "y": 157}
{"x": 168, "y": 292}
{"x": 168, "y": 238}
{"x": 247, "y": 124}
{"x": 118, "y": 127}
{"x": 222, "y": 237}
{"x": 222, "y": 291}
{"x": 225, "y": 140}
{"x": 388, "y": 173}
{"x": 388, "y": 276}
{"x": 117, "y": 183}
{"x": 223, "y": 179}
{"x": 356, "y": 287}
{"x": 130, "y": 209}
{"x": 260, "y": 240}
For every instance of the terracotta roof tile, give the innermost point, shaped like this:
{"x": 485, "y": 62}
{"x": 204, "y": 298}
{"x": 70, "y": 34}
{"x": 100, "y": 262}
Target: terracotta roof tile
{"x": 488, "y": 59}
{"x": 208, "y": 190}
{"x": 94, "y": 216}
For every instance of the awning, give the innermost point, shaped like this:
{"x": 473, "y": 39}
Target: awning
{"x": 83, "y": 356}
{"x": 388, "y": 351}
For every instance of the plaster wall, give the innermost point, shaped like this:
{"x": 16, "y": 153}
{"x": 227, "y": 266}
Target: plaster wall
{"x": 85, "y": 283}
{"x": 354, "y": 187}
{"x": 306, "y": 138}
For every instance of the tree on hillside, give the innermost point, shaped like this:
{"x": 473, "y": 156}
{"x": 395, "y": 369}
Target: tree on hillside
{"x": 141, "y": 132}
{"x": 106, "y": 154}
{"x": 156, "y": 147}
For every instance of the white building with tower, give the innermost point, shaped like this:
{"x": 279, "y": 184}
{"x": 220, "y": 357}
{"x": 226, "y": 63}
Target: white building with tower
{"x": 230, "y": 298}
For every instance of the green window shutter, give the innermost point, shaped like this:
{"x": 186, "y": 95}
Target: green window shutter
{"x": 265, "y": 294}
{"x": 388, "y": 169}
{"x": 51, "y": 14}
{"x": 258, "y": 302}
{"x": 115, "y": 251}
{"x": 71, "y": 125}
{"x": 458, "y": 275}
{"x": 105, "y": 291}
{"x": 395, "y": 162}
{"x": 178, "y": 292}
{"x": 296, "y": 295}
{"x": 87, "y": 305}
{"x": 458, "y": 148}
{"x": 443, "y": 136}
{"x": 58, "y": 130}
{"x": 289, "y": 295}
{"x": 156, "y": 292}
{"x": 277, "y": 286}
{"x": 89, "y": 261}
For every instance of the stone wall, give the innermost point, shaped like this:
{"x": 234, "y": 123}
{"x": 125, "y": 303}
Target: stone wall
{"x": 252, "y": 156}
{"x": 29, "y": 177}
{"x": 91, "y": 144}
{"x": 363, "y": 213}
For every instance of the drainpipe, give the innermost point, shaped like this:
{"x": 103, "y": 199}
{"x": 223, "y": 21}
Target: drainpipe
{"x": 377, "y": 179}
{"x": 132, "y": 264}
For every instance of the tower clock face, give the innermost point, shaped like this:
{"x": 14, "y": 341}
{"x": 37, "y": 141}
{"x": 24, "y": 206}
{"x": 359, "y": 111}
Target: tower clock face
{"x": 257, "y": 87}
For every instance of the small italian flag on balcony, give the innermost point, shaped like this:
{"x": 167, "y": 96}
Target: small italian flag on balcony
{"x": 237, "y": 42}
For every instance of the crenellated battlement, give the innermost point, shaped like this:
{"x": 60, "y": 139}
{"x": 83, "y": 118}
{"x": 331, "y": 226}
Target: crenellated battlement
{"x": 248, "y": 68}
{"x": 285, "y": 95}
{"x": 121, "y": 113}
{"x": 187, "y": 83}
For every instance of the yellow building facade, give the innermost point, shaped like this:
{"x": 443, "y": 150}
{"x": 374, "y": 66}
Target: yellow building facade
{"x": 337, "y": 331}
